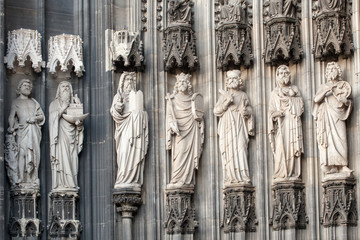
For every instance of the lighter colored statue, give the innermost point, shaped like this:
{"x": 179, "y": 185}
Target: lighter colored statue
{"x": 131, "y": 133}
{"x": 66, "y": 137}
{"x": 332, "y": 107}
{"x": 184, "y": 131}
{"x": 235, "y": 125}
{"x": 22, "y": 143}
{"x": 285, "y": 129}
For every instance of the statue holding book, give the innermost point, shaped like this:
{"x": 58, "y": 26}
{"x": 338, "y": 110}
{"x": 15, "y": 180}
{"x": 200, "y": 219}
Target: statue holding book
{"x": 131, "y": 132}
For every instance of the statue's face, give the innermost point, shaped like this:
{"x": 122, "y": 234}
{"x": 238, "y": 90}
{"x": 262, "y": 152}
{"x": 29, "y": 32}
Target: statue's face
{"x": 26, "y": 88}
{"x": 283, "y": 76}
{"x": 182, "y": 85}
{"x": 129, "y": 84}
{"x": 234, "y": 81}
{"x": 332, "y": 73}
{"x": 65, "y": 90}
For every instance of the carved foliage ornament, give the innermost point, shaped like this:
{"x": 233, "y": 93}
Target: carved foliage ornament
{"x": 288, "y": 206}
{"x": 239, "y": 209}
{"x": 64, "y": 50}
{"x": 180, "y": 212}
{"x": 179, "y": 42}
{"x": 127, "y": 202}
{"x": 339, "y": 203}
{"x": 127, "y": 48}
{"x": 233, "y": 33}
{"x": 24, "y": 44}
{"x": 282, "y": 31}
{"x": 332, "y": 29}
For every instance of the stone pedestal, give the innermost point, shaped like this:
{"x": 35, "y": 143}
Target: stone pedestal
{"x": 180, "y": 211}
{"x": 64, "y": 221}
{"x": 288, "y": 206}
{"x": 339, "y": 203}
{"x": 24, "y": 222}
{"x": 239, "y": 209}
{"x": 127, "y": 202}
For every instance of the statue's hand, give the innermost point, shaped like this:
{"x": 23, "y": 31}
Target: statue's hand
{"x": 245, "y": 113}
{"x": 78, "y": 122}
{"x": 31, "y": 120}
{"x": 10, "y": 130}
{"x": 344, "y": 101}
{"x": 119, "y": 106}
{"x": 278, "y": 114}
{"x": 174, "y": 128}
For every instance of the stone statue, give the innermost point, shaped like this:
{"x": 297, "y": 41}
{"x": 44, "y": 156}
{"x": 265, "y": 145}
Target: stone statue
{"x": 131, "y": 133}
{"x": 285, "y": 129}
{"x": 235, "y": 125}
{"x": 286, "y": 8}
{"x": 331, "y": 5}
{"x": 184, "y": 131}
{"x": 179, "y": 11}
{"x": 66, "y": 137}
{"x": 235, "y": 10}
{"x": 22, "y": 143}
{"x": 332, "y": 107}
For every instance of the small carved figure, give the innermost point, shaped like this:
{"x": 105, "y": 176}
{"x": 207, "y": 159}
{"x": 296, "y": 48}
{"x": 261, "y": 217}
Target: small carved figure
{"x": 179, "y": 11}
{"x": 235, "y": 10}
{"x": 23, "y": 139}
{"x": 332, "y": 107}
{"x": 285, "y": 128}
{"x": 235, "y": 125}
{"x": 184, "y": 131}
{"x": 280, "y": 8}
{"x": 131, "y": 133}
{"x": 66, "y": 137}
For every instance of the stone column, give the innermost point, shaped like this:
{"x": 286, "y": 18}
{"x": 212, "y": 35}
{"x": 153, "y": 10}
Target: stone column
{"x": 288, "y": 208}
{"x": 338, "y": 207}
{"x": 127, "y": 202}
{"x": 63, "y": 218}
{"x": 239, "y": 210}
{"x": 24, "y": 222}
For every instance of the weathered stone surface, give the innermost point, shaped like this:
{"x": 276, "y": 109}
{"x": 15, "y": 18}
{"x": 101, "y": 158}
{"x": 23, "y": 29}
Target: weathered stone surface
{"x": 339, "y": 203}
{"x": 288, "y": 206}
{"x": 239, "y": 209}
{"x": 127, "y": 201}
{"x": 332, "y": 29}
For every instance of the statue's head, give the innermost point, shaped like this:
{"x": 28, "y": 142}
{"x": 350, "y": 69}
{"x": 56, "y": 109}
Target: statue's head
{"x": 333, "y": 72}
{"x": 183, "y": 84}
{"x": 64, "y": 92}
{"x": 283, "y": 76}
{"x": 233, "y": 79}
{"x": 24, "y": 87}
{"x": 127, "y": 82}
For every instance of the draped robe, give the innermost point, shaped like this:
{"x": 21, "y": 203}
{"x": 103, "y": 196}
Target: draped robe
{"x": 187, "y": 147}
{"x": 66, "y": 141}
{"x": 285, "y": 133}
{"x": 131, "y": 138}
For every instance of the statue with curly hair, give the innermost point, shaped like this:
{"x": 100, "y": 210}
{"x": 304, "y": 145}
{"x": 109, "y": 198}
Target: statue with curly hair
{"x": 332, "y": 107}
{"x": 131, "y": 132}
{"x": 235, "y": 125}
{"x": 184, "y": 131}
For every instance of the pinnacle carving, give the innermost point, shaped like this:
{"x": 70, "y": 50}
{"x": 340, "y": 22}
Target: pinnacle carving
{"x": 233, "y": 34}
{"x": 65, "y": 50}
{"x": 339, "y": 203}
{"x": 282, "y": 32}
{"x": 24, "y": 44}
{"x": 179, "y": 42}
{"x": 239, "y": 209}
{"x": 180, "y": 212}
{"x": 288, "y": 206}
{"x": 332, "y": 29}
{"x": 127, "y": 50}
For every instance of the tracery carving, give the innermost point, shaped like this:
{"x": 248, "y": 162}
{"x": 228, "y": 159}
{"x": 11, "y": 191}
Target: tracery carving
{"x": 179, "y": 42}
{"x": 288, "y": 206}
{"x": 63, "y": 216}
{"x": 339, "y": 203}
{"x": 332, "y": 29}
{"x": 233, "y": 33}
{"x": 239, "y": 209}
{"x": 282, "y": 27}
{"x": 65, "y": 50}
{"x": 24, "y": 44}
{"x": 180, "y": 212}
{"x": 127, "y": 50}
